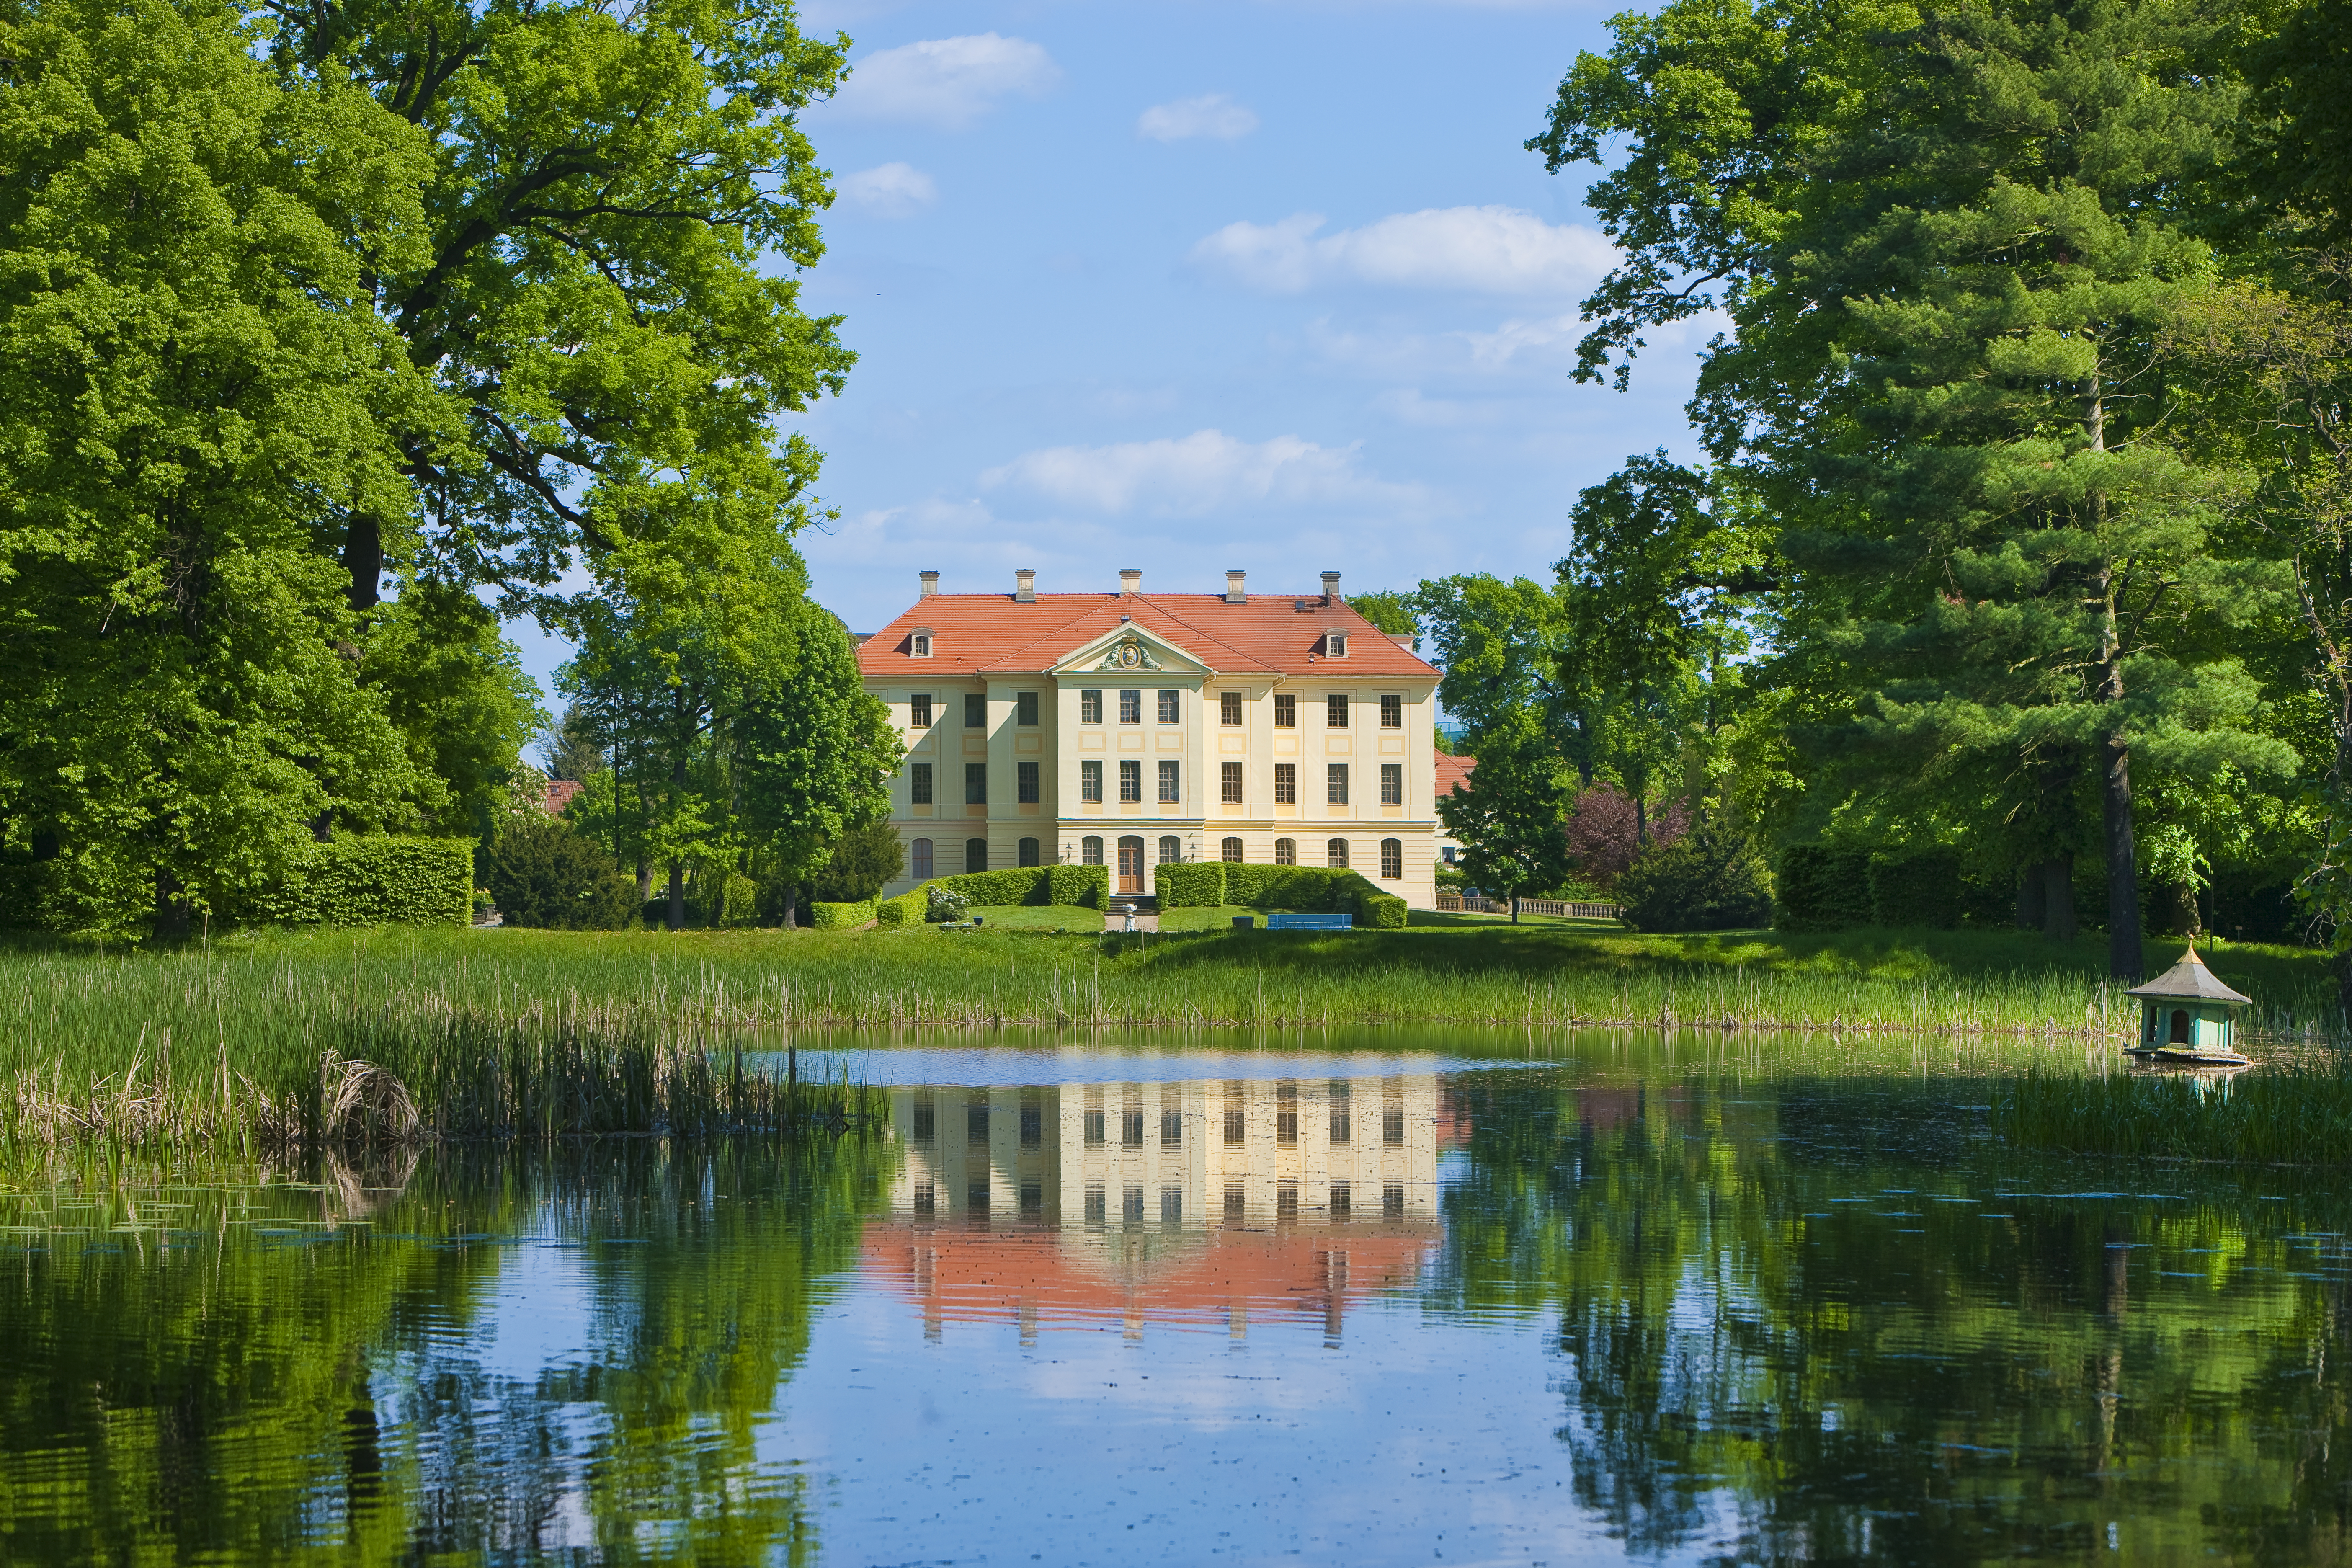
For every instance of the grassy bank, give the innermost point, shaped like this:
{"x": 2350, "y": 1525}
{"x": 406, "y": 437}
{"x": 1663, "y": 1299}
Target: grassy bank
{"x": 511, "y": 1033}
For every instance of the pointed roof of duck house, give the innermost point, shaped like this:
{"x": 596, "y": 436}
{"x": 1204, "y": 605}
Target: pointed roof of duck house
{"x": 2190, "y": 979}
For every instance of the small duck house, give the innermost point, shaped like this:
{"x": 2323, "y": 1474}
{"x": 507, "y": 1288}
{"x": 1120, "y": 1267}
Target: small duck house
{"x": 2186, "y": 1010}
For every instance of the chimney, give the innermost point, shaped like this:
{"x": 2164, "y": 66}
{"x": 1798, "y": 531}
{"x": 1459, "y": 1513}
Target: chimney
{"x": 1331, "y": 587}
{"x": 930, "y": 584}
{"x": 1234, "y": 593}
{"x": 1025, "y": 585}
{"x": 1131, "y": 580}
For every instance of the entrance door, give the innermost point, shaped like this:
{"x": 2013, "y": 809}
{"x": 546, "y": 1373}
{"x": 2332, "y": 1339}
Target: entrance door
{"x": 1130, "y": 864}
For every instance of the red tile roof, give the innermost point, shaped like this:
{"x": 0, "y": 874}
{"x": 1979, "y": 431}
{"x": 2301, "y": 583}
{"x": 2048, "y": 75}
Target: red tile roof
{"x": 1451, "y": 771}
{"x": 987, "y": 634}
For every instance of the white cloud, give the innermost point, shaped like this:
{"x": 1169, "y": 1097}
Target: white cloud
{"x": 1486, "y": 250}
{"x": 890, "y": 190}
{"x": 1213, "y": 115}
{"x": 945, "y": 82}
{"x": 1203, "y": 472}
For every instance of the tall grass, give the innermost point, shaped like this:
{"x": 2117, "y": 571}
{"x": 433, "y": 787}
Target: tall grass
{"x": 2299, "y": 1114}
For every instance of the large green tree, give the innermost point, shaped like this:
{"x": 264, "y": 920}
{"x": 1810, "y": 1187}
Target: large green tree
{"x": 1941, "y": 233}
{"x": 193, "y": 376}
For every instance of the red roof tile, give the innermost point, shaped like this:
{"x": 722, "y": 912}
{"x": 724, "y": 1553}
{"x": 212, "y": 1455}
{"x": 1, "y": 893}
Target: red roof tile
{"x": 975, "y": 634}
{"x": 1451, "y": 771}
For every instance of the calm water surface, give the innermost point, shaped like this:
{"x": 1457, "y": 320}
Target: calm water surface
{"x": 1429, "y": 1299}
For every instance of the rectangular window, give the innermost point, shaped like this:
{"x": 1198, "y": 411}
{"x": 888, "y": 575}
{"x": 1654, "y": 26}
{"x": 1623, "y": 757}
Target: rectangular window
{"x": 1168, "y": 776}
{"x": 1391, "y": 712}
{"x": 1285, "y": 711}
{"x": 1342, "y": 1104}
{"x": 1286, "y": 783}
{"x": 1285, "y": 1203}
{"x": 1025, "y": 708}
{"x": 1090, "y": 781}
{"x": 1343, "y": 1201}
{"x": 976, "y": 783}
{"x": 975, "y": 710}
{"x": 1130, "y": 1121}
{"x": 1131, "y": 1210}
{"x": 1229, "y": 707}
{"x": 1335, "y": 853}
{"x": 1027, "y": 773}
{"x": 1285, "y": 1113}
{"x": 1171, "y": 1127}
{"x": 1094, "y": 1120}
{"x": 1335, "y": 785}
{"x": 918, "y": 784}
{"x": 1285, "y": 851}
{"x": 1335, "y": 712}
{"x": 926, "y": 1113}
{"x": 975, "y": 1121}
{"x": 1236, "y": 1114}
{"x": 1095, "y": 1217}
{"x": 1392, "y": 784}
{"x": 1130, "y": 707}
{"x": 1130, "y": 780}
{"x": 1232, "y": 773}
{"x": 1168, "y": 707}
{"x": 1392, "y": 859}
{"x": 1089, "y": 707}
{"x": 919, "y": 711}
{"x": 1033, "y": 1124}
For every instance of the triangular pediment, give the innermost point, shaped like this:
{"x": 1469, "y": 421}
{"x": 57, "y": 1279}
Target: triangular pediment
{"x": 1131, "y": 650}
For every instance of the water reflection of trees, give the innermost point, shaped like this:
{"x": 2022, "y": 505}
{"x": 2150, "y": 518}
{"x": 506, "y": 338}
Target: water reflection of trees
{"x": 1757, "y": 1370}
{"x": 301, "y": 1389}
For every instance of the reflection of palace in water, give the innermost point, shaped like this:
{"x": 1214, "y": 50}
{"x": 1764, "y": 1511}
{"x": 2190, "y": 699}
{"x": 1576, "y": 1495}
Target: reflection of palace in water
{"x": 1184, "y": 1200}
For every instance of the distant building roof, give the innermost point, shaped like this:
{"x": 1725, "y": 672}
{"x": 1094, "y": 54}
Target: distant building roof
{"x": 1451, "y": 771}
{"x": 976, "y": 633}
{"x": 2188, "y": 979}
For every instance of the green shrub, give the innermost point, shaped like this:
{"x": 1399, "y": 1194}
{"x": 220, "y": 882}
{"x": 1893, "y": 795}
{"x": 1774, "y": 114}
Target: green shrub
{"x": 1085, "y": 886}
{"x": 378, "y": 880}
{"x": 865, "y": 860}
{"x": 1822, "y": 888}
{"x": 1708, "y": 879}
{"x": 944, "y": 903}
{"x": 1452, "y": 877}
{"x": 841, "y": 917}
{"x": 1283, "y": 887}
{"x": 906, "y": 910}
{"x": 544, "y": 874}
{"x": 1189, "y": 884}
{"x": 1381, "y": 912}
{"x": 1020, "y": 885}
{"x": 1922, "y": 888}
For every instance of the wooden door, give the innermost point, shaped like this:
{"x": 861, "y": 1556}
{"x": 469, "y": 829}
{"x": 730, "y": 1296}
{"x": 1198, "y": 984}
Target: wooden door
{"x": 1130, "y": 864}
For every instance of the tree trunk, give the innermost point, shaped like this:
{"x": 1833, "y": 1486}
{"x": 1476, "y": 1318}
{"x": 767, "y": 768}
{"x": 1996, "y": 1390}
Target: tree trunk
{"x": 363, "y": 559}
{"x": 2032, "y": 889}
{"x": 792, "y": 898}
{"x": 677, "y": 896}
{"x": 2058, "y": 898}
{"x": 2123, "y": 870}
{"x": 644, "y": 879}
{"x": 171, "y": 907}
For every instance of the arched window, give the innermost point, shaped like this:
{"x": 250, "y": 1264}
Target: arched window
{"x": 1171, "y": 848}
{"x": 1028, "y": 852}
{"x": 1232, "y": 850}
{"x": 1090, "y": 851}
{"x": 1335, "y": 853}
{"x": 922, "y": 859}
{"x": 975, "y": 854}
{"x": 1393, "y": 858}
{"x": 1285, "y": 851}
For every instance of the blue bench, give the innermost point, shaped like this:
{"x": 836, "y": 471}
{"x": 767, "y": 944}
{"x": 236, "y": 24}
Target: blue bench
{"x": 1310, "y": 923}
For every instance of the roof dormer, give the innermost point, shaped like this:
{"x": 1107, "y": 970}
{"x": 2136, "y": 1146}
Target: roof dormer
{"x": 918, "y": 643}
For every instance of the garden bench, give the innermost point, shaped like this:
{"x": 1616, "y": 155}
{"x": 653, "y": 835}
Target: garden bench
{"x": 1310, "y": 923}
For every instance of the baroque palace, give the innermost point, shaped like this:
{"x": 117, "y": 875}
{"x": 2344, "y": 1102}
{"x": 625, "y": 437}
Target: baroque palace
{"x": 1128, "y": 729}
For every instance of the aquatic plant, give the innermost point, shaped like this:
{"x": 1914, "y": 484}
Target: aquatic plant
{"x": 2298, "y": 1114}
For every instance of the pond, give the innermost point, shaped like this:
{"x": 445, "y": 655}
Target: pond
{"x": 1404, "y": 1298}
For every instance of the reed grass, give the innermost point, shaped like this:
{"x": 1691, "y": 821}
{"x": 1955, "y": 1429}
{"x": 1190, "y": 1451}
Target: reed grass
{"x": 2296, "y": 1114}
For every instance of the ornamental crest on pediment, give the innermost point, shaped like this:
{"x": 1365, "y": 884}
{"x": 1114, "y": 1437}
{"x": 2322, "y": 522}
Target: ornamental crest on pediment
{"x": 1127, "y": 653}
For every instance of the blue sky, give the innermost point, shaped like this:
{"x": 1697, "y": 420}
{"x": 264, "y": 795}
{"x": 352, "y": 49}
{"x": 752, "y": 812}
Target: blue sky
{"x": 1193, "y": 286}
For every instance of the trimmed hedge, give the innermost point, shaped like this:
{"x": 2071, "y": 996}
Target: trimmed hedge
{"x": 841, "y": 917}
{"x": 1822, "y": 889}
{"x": 1086, "y": 887}
{"x": 906, "y": 910}
{"x": 1084, "y": 884}
{"x": 1921, "y": 889}
{"x": 1205, "y": 884}
{"x": 376, "y": 881}
{"x": 1189, "y": 884}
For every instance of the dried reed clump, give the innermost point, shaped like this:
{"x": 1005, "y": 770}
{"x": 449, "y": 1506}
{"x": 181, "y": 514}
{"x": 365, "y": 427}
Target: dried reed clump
{"x": 362, "y": 1106}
